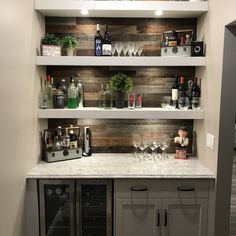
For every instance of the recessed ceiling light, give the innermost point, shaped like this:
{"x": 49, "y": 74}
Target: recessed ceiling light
{"x": 84, "y": 12}
{"x": 158, "y": 12}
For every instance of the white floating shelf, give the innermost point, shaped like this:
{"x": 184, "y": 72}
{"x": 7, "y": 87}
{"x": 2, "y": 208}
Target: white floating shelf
{"x": 171, "y": 9}
{"x": 97, "y": 113}
{"x": 120, "y": 61}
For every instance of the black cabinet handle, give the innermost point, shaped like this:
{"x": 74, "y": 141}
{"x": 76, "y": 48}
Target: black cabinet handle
{"x": 158, "y": 218}
{"x": 185, "y": 189}
{"x": 138, "y": 188}
{"x": 165, "y": 222}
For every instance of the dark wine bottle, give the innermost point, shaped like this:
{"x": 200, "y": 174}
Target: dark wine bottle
{"x": 174, "y": 92}
{"x": 98, "y": 42}
{"x": 195, "y": 94}
{"x": 181, "y": 93}
{"x": 106, "y": 44}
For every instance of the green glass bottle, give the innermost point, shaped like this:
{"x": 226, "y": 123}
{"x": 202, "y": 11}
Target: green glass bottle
{"x": 72, "y": 94}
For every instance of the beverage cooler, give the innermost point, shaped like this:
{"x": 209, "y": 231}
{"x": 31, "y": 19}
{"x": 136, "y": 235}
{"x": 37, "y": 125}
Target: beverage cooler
{"x": 75, "y": 208}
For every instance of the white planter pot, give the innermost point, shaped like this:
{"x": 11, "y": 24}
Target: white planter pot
{"x": 70, "y": 51}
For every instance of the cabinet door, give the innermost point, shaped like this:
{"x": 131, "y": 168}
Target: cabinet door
{"x": 186, "y": 216}
{"x": 56, "y": 199}
{"x": 137, "y": 216}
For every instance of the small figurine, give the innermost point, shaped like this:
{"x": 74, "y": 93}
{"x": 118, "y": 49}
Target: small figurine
{"x": 183, "y": 142}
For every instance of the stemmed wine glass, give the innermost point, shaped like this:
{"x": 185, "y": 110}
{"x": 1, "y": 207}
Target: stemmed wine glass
{"x": 156, "y": 144}
{"x": 145, "y": 145}
{"x": 113, "y": 49}
{"x": 125, "y": 48}
{"x": 164, "y": 144}
{"x": 136, "y": 144}
{"x": 118, "y": 46}
{"x": 140, "y": 49}
{"x": 135, "y": 49}
{"x": 130, "y": 48}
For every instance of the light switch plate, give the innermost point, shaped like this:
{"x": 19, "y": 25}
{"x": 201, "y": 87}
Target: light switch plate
{"x": 210, "y": 141}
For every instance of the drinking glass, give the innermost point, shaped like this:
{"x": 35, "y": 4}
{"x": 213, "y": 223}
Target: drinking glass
{"x": 166, "y": 102}
{"x": 125, "y": 48}
{"x": 164, "y": 144}
{"x": 156, "y": 144}
{"x": 131, "y": 100}
{"x": 136, "y": 144}
{"x": 113, "y": 49}
{"x": 135, "y": 49}
{"x": 118, "y": 46}
{"x": 145, "y": 145}
{"x": 130, "y": 48}
{"x": 153, "y": 148}
{"x": 195, "y": 103}
{"x": 183, "y": 103}
{"x": 140, "y": 49}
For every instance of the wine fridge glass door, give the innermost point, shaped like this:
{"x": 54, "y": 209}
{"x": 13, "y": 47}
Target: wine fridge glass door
{"x": 56, "y": 199}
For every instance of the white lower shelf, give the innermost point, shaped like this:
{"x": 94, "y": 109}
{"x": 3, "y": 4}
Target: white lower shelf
{"x": 120, "y": 61}
{"x": 142, "y": 113}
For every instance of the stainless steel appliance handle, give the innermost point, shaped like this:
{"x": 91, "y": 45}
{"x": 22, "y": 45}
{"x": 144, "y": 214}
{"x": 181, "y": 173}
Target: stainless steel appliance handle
{"x": 165, "y": 217}
{"x": 158, "y": 217}
{"x": 78, "y": 213}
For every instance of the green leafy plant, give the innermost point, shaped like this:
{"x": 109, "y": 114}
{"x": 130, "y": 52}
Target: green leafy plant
{"x": 121, "y": 83}
{"x": 50, "y": 39}
{"x": 68, "y": 42}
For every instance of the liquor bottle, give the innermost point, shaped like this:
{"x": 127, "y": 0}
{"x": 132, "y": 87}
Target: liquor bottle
{"x": 98, "y": 42}
{"x": 72, "y": 94}
{"x": 174, "y": 92}
{"x": 106, "y": 43}
{"x": 64, "y": 89}
{"x": 181, "y": 93}
{"x": 58, "y": 98}
{"x": 101, "y": 97}
{"x": 195, "y": 94}
{"x": 73, "y": 138}
{"x": 107, "y": 102}
{"x": 187, "y": 40}
{"x": 44, "y": 94}
{"x": 173, "y": 39}
{"x": 80, "y": 94}
{"x": 49, "y": 92}
{"x": 58, "y": 140}
{"x": 66, "y": 142}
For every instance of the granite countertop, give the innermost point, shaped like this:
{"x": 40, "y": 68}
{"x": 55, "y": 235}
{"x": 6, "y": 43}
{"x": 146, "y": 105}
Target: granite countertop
{"x": 121, "y": 166}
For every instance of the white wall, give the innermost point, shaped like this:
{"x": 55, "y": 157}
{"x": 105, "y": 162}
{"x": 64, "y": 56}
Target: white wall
{"x": 20, "y": 33}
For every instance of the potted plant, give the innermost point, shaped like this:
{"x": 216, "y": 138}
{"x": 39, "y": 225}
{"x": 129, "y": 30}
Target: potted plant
{"x": 69, "y": 43}
{"x": 121, "y": 84}
{"x": 50, "y": 45}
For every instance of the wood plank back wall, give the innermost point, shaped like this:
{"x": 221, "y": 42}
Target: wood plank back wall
{"x": 153, "y": 82}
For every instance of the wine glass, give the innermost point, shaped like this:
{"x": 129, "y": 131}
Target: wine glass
{"x": 113, "y": 49}
{"x": 136, "y": 144}
{"x": 156, "y": 144}
{"x": 153, "y": 147}
{"x": 118, "y": 46}
{"x": 130, "y": 48}
{"x": 135, "y": 49}
{"x": 183, "y": 103}
{"x": 164, "y": 144}
{"x": 140, "y": 49}
{"x": 145, "y": 145}
{"x": 125, "y": 48}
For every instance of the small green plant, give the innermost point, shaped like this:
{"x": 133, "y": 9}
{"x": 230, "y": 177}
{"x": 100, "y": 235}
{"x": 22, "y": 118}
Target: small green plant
{"x": 50, "y": 39}
{"x": 121, "y": 83}
{"x": 68, "y": 42}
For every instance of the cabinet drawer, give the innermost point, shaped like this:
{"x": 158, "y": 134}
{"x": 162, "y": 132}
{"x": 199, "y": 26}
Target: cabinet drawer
{"x": 162, "y": 188}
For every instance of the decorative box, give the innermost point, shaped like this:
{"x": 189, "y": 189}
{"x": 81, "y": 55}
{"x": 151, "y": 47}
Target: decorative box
{"x": 50, "y": 50}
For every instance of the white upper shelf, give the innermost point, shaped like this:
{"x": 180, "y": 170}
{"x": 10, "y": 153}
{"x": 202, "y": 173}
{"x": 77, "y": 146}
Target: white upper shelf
{"x": 146, "y": 9}
{"x": 125, "y": 113}
{"x": 119, "y": 61}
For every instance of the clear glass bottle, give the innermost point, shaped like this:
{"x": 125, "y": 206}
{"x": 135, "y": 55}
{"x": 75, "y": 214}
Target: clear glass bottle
{"x": 72, "y": 95}
{"x": 58, "y": 140}
{"x": 101, "y": 97}
{"x": 80, "y": 94}
{"x": 49, "y": 92}
{"x": 66, "y": 142}
{"x": 44, "y": 94}
{"x": 107, "y": 101}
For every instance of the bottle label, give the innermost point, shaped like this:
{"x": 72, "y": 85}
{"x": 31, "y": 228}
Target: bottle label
{"x": 58, "y": 101}
{"x": 172, "y": 43}
{"x": 98, "y": 47}
{"x": 106, "y": 49}
{"x": 174, "y": 94}
{"x": 73, "y": 144}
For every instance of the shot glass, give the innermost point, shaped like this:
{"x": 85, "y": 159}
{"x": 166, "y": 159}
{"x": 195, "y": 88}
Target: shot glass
{"x": 138, "y": 100}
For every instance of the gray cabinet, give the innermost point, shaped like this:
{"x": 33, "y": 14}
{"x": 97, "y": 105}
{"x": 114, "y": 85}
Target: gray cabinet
{"x": 137, "y": 216}
{"x": 184, "y": 216}
{"x": 161, "y": 207}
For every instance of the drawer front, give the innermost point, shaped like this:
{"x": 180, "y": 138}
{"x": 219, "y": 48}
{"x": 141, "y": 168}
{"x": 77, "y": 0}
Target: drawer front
{"x": 162, "y": 188}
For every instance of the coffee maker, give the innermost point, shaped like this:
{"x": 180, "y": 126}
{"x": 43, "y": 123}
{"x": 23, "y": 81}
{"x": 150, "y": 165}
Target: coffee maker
{"x": 87, "y": 147}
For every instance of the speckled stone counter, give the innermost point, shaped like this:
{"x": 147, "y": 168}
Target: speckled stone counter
{"x": 120, "y": 166}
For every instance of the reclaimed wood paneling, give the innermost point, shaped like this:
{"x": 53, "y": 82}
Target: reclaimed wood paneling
{"x": 153, "y": 82}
